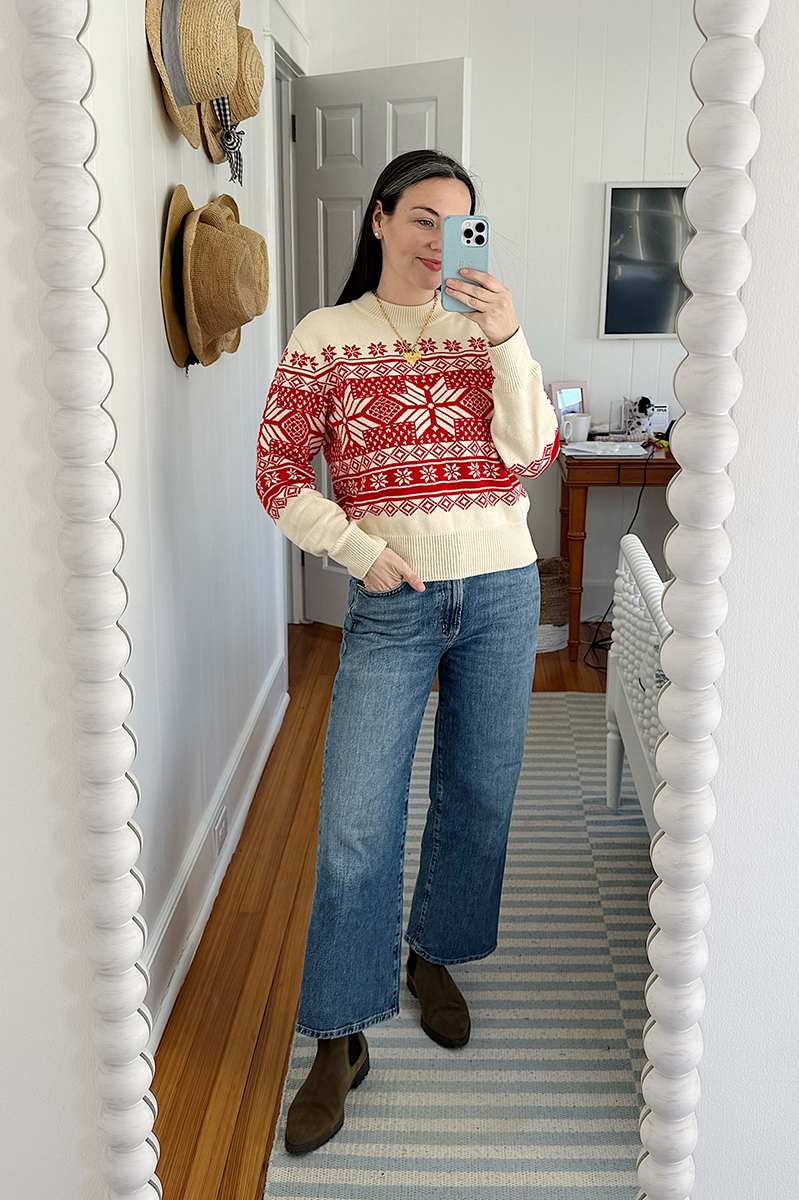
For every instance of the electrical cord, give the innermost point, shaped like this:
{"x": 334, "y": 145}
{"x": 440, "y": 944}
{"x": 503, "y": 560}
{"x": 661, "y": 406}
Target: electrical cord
{"x": 605, "y": 643}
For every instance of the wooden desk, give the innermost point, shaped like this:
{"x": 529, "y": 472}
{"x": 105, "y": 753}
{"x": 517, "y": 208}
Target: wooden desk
{"x": 576, "y": 476}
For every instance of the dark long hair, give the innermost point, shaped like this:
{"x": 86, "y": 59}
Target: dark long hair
{"x": 403, "y": 171}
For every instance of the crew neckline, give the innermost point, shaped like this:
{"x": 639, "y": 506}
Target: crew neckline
{"x": 405, "y": 315}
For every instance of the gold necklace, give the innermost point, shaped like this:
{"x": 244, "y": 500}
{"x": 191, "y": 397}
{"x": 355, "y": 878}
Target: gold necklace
{"x": 410, "y": 353}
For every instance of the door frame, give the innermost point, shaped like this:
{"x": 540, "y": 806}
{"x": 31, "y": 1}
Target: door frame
{"x": 286, "y": 70}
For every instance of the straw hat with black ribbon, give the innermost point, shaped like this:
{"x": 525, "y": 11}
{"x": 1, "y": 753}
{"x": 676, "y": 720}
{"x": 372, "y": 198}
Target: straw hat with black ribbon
{"x": 214, "y": 278}
{"x": 172, "y": 278}
{"x": 245, "y": 98}
{"x": 195, "y": 48}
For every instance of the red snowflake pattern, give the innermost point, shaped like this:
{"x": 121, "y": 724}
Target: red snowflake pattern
{"x": 397, "y": 439}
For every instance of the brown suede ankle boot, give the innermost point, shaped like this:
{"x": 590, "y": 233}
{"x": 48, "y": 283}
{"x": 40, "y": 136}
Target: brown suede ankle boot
{"x": 445, "y": 1014}
{"x": 317, "y": 1111}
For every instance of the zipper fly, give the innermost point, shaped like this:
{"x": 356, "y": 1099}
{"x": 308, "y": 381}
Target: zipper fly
{"x": 452, "y": 608}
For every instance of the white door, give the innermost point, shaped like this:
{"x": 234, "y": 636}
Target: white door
{"x": 348, "y": 126}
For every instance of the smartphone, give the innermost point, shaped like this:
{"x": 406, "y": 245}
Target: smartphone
{"x": 464, "y": 243}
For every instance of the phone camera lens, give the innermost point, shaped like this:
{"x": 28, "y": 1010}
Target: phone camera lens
{"x": 480, "y": 226}
{"x": 468, "y": 233}
{"x": 479, "y": 239}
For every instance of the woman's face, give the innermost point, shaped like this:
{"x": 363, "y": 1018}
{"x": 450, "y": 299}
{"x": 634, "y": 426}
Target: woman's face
{"x": 411, "y": 235}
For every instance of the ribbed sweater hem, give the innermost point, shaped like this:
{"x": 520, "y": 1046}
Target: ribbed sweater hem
{"x": 462, "y": 553}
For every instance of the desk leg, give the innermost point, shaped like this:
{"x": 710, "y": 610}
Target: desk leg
{"x": 578, "y": 504}
{"x": 564, "y": 519}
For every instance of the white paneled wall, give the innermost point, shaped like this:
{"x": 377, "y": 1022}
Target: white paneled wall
{"x": 566, "y": 95}
{"x": 46, "y": 1062}
{"x": 749, "y": 1111}
{"x": 202, "y": 561}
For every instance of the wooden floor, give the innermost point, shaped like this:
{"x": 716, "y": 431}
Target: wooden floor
{"x": 222, "y": 1059}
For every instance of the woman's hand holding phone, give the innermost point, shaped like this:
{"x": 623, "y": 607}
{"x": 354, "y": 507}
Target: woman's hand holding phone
{"x": 388, "y": 571}
{"x": 493, "y": 303}
{"x": 466, "y": 285}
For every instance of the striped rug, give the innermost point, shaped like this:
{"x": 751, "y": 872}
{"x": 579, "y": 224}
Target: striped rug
{"x": 543, "y": 1101}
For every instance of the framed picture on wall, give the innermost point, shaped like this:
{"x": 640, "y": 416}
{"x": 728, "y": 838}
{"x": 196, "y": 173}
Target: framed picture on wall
{"x": 568, "y": 396}
{"x": 646, "y": 231}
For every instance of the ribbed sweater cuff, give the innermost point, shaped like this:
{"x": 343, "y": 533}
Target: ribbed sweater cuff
{"x": 511, "y": 361}
{"x": 356, "y": 550}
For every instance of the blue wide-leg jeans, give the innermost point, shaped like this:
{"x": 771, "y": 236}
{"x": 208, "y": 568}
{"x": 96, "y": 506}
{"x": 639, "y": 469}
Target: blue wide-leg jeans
{"x": 480, "y": 634}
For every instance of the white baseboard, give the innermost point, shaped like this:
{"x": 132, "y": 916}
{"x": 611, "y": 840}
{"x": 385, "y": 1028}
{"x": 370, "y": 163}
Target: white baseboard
{"x": 175, "y": 935}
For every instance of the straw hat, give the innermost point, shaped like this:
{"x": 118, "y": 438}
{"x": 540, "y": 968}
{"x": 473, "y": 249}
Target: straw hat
{"x": 195, "y": 50}
{"x": 245, "y": 98}
{"x": 186, "y": 119}
{"x": 172, "y": 276}
{"x": 217, "y": 271}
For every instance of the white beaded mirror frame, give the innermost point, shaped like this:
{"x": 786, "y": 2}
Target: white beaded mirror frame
{"x": 723, "y": 137}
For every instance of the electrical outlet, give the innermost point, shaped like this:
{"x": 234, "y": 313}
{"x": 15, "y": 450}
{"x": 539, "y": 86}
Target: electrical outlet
{"x": 220, "y": 831}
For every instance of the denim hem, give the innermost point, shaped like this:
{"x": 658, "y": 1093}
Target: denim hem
{"x": 355, "y": 1027}
{"x": 449, "y": 962}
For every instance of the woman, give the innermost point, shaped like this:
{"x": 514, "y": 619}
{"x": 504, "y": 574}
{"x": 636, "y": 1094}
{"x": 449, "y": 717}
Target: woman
{"x": 427, "y": 418}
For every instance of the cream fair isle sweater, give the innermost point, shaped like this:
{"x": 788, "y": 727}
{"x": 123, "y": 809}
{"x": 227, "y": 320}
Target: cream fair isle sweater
{"x": 424, "y": 459}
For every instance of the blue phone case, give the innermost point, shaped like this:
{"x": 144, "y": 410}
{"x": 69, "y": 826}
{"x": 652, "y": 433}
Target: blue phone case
{"x": 456, "y": 254}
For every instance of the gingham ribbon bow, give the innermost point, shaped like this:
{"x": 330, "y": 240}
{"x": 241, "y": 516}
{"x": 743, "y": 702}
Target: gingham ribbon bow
{"x": 230, "y": 138}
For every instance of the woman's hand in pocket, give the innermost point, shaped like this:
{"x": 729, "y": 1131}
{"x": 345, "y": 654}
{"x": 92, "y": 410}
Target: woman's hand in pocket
{"x": 388, "y": 571}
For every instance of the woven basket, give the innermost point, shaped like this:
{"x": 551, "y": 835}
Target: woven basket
{"x": 553, "y": 626}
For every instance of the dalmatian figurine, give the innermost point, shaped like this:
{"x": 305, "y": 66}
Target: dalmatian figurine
{"x": 639, "y": 419}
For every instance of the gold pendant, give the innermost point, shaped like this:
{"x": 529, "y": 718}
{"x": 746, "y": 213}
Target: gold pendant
{"x": 412, "y": 356}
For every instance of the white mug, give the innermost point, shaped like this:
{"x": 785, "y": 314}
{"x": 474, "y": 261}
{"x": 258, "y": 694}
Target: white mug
{"x": 576, "y": 426}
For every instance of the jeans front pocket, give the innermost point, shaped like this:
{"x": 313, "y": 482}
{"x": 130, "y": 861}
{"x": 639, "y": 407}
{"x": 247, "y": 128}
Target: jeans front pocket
{"x": 365, "y": 591}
